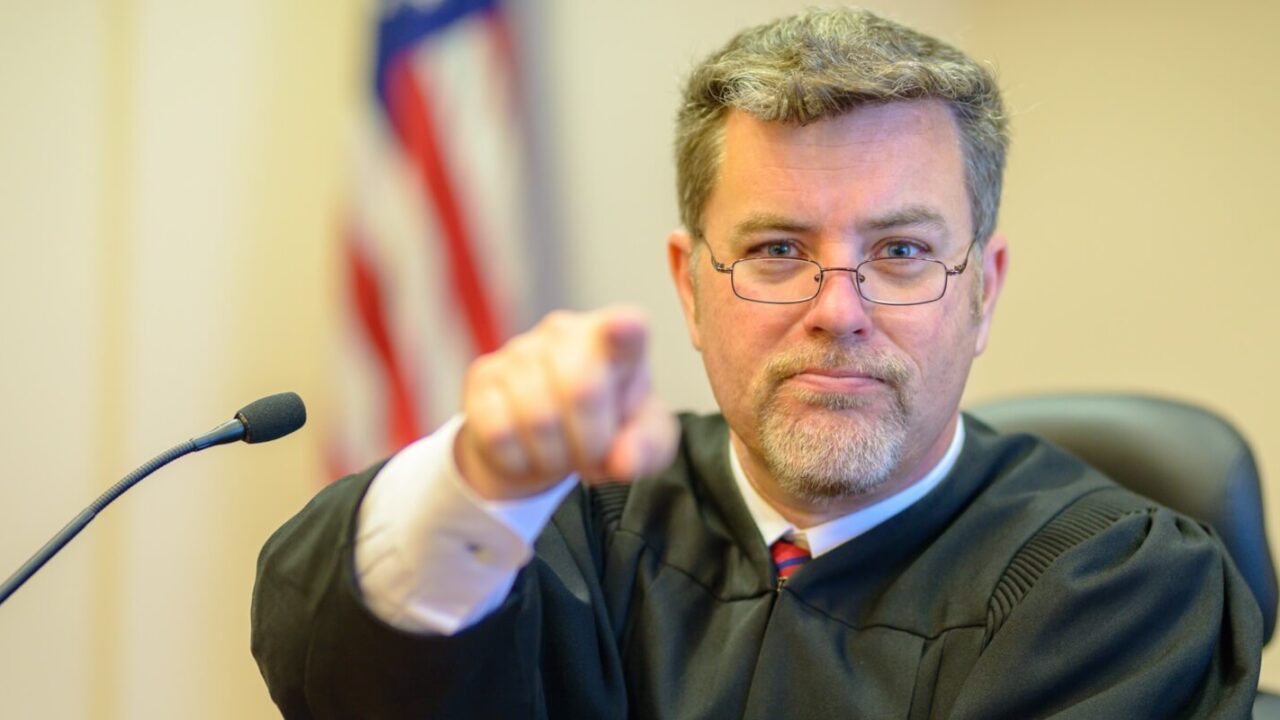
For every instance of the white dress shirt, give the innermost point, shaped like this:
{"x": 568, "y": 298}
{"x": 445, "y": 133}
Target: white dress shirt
{"x": 420, "y": 521}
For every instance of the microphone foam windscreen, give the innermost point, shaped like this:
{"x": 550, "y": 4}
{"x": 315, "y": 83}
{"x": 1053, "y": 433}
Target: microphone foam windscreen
{"x": 272, "y": 417}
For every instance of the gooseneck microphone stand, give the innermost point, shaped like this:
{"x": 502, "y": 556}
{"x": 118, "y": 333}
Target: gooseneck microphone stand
{"x": 263, "y": 420}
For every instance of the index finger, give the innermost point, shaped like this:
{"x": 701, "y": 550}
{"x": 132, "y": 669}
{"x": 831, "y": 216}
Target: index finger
{"x": 622, "y": 332}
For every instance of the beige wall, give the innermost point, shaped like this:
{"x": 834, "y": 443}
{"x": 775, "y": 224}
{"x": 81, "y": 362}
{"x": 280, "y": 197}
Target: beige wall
{"x": 168, "y": 178}
{"x": 169, "y": 175}
{"x": 50, "y": 227}
{"x": 1139, "y": 202}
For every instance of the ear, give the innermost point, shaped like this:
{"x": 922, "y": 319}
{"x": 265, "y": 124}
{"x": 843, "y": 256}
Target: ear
{"x": 995, "y": 265}
{"x": 680, "y": 259}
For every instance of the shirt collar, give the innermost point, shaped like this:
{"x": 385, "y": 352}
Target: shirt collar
{"x": 822, "y": 538}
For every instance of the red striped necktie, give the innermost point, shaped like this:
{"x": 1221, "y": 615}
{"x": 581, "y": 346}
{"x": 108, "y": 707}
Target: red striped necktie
{"x": 788, "y": 558}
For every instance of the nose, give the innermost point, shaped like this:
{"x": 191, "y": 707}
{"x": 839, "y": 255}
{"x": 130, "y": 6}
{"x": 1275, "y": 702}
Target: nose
{"x": 838, "y": 310}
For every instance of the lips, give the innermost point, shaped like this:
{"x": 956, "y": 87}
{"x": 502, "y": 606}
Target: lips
{"x": 836, "y": 380}
{"x": 836, "y": 371}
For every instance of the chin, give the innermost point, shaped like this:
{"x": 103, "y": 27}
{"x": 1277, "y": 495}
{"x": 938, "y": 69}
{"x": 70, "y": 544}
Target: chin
{"x": 828, "y": 446}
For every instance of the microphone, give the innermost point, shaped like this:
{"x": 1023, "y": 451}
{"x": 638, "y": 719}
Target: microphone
{"x": 262, "y": 420}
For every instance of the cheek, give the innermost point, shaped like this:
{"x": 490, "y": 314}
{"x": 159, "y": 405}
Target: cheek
{"x": 738, "y": 338}
{"x": 948, "y": 353}
{"x": 934, "y": 343}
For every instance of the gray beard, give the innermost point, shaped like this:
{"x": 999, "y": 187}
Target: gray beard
{"x": 821, "y": 447}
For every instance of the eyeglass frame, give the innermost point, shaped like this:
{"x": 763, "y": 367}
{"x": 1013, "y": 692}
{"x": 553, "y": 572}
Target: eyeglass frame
{"x": 857, "y": 283}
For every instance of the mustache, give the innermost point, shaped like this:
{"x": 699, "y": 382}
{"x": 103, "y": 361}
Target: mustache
{"x": 879, "y": 364}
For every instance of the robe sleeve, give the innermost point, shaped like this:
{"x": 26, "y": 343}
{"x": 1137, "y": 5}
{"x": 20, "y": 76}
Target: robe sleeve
{"x": 324, "y": 654}
{"x": 547, "y": 651}
{"x": 1147, "y": 619}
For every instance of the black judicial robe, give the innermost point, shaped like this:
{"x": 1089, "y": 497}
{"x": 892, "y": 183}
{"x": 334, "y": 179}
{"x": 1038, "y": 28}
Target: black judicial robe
{"x": 1024, "y": 585}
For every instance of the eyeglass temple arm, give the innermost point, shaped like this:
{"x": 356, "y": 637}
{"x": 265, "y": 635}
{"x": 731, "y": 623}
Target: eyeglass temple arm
{"x": 967, "y": 257}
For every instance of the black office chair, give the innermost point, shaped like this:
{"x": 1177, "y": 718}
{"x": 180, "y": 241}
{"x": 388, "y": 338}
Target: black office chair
{"x": 1181, "y": 456}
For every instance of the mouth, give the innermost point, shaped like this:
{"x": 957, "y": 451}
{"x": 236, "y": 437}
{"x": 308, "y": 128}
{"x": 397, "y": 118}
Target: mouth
{"x": 836, "y": 380}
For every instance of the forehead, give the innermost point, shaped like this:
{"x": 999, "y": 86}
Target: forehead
{"x": 836, "y": 173}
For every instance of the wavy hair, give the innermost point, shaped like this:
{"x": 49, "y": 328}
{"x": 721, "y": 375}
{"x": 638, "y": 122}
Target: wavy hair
{"x": 824, "y": 63}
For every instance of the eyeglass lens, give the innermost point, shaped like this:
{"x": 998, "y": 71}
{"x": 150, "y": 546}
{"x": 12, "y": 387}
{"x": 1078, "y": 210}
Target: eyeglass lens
{"x": 894, "y": 281}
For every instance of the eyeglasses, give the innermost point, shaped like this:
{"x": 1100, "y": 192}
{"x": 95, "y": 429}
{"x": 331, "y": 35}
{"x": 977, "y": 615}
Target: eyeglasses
{"x": 885, "y": 281}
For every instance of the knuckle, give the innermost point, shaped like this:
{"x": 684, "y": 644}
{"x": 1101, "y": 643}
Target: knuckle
{"x": 557, "y": 320}
{"x": 492, "y": 434}
{"x": 482, "y": 370}
{"x": 519, "y": 346}
{"x": 586, "y": 395}
{"x": 561, "y": 327}
{"x": 542, "y": 422}
{"x": 478, "y": 367}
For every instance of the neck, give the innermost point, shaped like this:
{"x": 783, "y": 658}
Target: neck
{"x": 806, "y": 513}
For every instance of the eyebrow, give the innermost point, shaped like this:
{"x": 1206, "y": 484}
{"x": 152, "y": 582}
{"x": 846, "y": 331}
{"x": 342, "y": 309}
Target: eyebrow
{"x": 909, "y": 216}
{"x": 921, "y": 216}
{"x": 767, "y": 222}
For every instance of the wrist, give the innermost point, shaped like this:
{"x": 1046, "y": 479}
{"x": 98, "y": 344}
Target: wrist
{"x": 487, "y": 481}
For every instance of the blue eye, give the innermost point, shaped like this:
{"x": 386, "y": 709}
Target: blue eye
{"x": 900, "y": 249}
{"x": 773, "y": 249}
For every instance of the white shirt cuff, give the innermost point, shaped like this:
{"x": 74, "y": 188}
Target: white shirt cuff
{"x": 431, "y": 555}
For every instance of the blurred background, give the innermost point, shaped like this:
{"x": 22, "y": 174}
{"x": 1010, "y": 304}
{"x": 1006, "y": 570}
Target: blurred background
{"x": 200, "y": 203}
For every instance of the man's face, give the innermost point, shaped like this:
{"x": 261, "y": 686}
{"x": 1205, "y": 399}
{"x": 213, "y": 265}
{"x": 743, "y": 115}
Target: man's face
{"x": 838, "y": 401}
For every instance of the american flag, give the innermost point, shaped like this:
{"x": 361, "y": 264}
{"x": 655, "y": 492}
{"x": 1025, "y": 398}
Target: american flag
{"x": 446, "y": 248}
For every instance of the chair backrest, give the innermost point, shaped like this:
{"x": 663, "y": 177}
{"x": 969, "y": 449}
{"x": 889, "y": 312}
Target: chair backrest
{"x": 1179, "y": 455}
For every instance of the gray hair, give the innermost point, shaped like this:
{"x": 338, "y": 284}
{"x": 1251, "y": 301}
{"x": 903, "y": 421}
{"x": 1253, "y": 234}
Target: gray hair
{"x": 824, "y": 63}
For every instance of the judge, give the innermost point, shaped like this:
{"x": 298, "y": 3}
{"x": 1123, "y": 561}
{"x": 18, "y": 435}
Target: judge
{"x": 839, "y": 541}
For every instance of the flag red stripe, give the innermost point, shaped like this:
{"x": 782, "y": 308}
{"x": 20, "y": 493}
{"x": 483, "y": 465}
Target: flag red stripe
{"x": 410, "y": 109}
{"x": 366, "y": 290}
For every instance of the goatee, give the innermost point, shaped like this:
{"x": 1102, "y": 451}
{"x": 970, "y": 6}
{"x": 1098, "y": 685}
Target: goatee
{"x": 822, "y": 446}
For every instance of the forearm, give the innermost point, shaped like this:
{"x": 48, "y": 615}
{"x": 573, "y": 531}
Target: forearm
{"x": 323, "y": 653}
{"x": 431, "y": 555}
